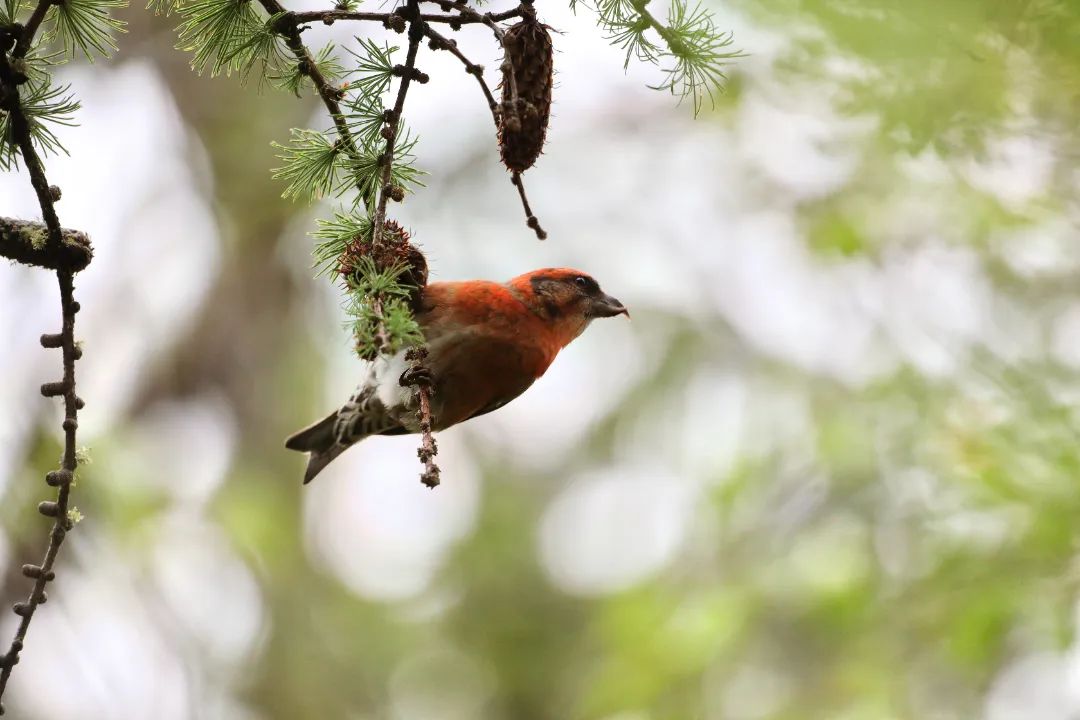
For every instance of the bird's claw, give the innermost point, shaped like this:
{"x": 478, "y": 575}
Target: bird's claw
{"x": 416, "y": 376}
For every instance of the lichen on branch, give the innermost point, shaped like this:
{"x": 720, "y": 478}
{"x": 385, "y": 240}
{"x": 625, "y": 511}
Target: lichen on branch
{"x": 28, "y": 243}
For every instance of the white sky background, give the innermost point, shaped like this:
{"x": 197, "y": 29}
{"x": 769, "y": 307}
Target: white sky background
{"x": 667, "y": 212}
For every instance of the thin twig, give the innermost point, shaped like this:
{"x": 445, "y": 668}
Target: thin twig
{"x": 20, "y": 129}
{"x": 54, "y": 246}
{"x": 471, "y": 15}
{"x": 419, "y": 376}
{"x": 393, "y": 119}
{"x": 329, "y": 17}
{"x": 428, "y": 449}
{"x": 382, "y": 337}
{"x": 530, "y": 219}
{"x": 509, "y": 110}
{"x": 331, "y": 96}
{"x": 30, "y": 29}
{"x": 440, "y": 42}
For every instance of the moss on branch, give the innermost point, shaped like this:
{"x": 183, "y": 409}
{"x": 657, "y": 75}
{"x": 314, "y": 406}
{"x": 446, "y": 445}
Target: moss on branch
{"x": 28, "y": 243}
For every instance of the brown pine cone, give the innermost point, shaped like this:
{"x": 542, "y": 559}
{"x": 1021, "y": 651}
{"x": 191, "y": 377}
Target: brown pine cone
{"x": 528, "y": 54}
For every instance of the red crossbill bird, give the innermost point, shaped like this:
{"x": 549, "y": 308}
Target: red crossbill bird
{"x": 487, "y": 343}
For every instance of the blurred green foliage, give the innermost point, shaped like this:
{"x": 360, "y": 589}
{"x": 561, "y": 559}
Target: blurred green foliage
{"x": 913, "y": 538}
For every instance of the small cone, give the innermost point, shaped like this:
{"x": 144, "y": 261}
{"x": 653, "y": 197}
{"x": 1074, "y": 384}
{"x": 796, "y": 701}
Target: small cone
{"x": 523, "y": 126}
{"x": 394, "y": 250}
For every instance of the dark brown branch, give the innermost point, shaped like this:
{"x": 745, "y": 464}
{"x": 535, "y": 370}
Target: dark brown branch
{"x": 393, "y": 120}
{"x": 30, "y": 29}
{"x": 329, "y": 17}
{"x": 20, "y": 129}
{"x": 530, "y": 219}
{"x": 471, "y": 15}
{"x": 28, "y": 243}
{"x": 54, "y": 245}
{"x": 440, "y": 42}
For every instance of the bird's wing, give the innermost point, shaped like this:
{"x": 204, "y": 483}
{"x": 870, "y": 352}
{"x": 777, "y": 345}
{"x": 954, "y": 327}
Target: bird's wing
{"x": 476, "y": 372}
{"x": 378, "y": 405}
{"x": 362, "y": 415}
{"x": 493, "y": 406}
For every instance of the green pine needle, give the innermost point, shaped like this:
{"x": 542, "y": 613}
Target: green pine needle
{"x": 38, "y": 66}
{"x": 164, "y": 7}
{"x": 311, "y": 164}
{"x": 400, "y": 325}
{"x": 364, "y": 118}
{"x": 336, "y": 234}
{"x": 86, "y": 25}
{"x": 368, "y": 280}
{"x": 221, "y": 34}
{"x": 629, "y": 34}
{"x": 398, "y": 322}
{"x": 261, "y": 46}
{"x": 290, "y": 78}
{"x": 42, "y": 104}
{"x": 366, "y": 168}
{"x": 9, "y": 11}
{"x": 374, "y": 67}
{"x": 698, "y": 51}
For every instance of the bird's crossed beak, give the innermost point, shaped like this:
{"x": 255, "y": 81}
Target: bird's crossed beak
{"x": 607, "y": 306}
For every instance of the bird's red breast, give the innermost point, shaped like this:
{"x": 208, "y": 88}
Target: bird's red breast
{"x": 486, "y": 346}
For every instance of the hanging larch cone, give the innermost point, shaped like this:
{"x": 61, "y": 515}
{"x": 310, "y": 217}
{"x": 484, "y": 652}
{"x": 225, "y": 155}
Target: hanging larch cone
{"x": 523, "y": 125}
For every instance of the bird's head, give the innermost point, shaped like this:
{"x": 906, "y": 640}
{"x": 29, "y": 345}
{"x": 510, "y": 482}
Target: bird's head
{"x": 568, "y": 299}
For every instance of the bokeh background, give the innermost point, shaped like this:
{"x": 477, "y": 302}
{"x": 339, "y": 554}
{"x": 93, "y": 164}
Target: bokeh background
{"x": 829, "y": 470}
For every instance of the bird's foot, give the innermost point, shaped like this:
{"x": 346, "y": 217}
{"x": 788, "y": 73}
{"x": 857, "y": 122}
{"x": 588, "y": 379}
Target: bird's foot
{"x": 416, "y": 376}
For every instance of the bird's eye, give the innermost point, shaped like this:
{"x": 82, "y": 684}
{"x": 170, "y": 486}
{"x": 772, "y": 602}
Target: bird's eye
{"x": 586, "y": 284}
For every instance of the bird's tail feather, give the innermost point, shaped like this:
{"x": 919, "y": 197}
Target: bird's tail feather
{"x": 317, "y": 439}
{"x": 320, "y": 459}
